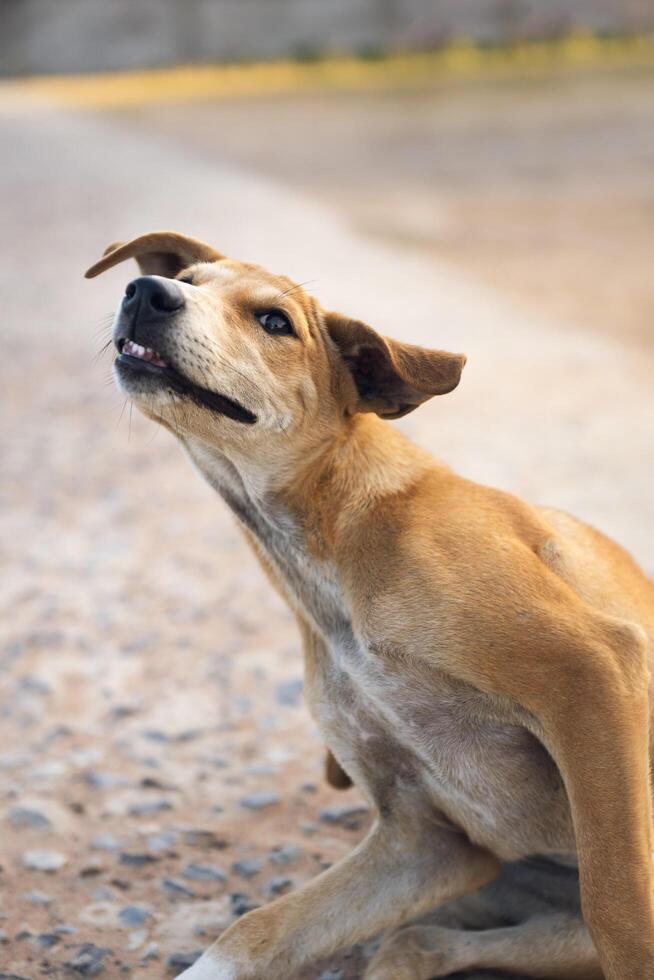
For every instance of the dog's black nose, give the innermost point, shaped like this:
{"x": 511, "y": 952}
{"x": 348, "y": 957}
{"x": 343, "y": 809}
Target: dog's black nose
{"x": 153, "y": 297}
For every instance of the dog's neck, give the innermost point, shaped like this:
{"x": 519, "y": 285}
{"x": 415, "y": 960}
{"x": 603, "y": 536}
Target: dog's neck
{"x": 297, "y": 514}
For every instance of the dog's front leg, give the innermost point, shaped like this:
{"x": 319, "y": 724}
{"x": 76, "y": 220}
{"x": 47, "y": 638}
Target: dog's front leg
{"x": 395, "y": 874}
{"x": 590, "y": 696}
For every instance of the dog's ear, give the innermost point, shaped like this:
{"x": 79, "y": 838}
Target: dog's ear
{"x": 161, "y": 253}
{"x": 391, "y": 378}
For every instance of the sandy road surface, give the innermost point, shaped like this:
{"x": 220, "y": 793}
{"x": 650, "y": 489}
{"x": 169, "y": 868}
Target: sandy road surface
{"x": 150, "y": 679}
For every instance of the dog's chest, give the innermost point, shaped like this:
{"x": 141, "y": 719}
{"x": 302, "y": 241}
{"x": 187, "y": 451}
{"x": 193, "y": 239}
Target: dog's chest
{"x": 431, "y": 743}
{"x": 420, "y": 738}
{"x": 406, "y": 734}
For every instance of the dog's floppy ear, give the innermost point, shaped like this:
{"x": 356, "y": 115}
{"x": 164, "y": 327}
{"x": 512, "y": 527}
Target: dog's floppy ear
{"x": 161, "y": 253}
{"x": 391, "y": 378}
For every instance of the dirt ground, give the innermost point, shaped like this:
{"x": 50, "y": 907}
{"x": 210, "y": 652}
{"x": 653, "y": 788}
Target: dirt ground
{"x": 541, "y": 187}
{"x": 159, "y": 774}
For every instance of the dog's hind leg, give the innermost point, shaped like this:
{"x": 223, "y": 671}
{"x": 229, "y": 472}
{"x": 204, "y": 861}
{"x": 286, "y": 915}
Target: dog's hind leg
{"x": 552, "y": 946}
{"x": 397, "y": 873}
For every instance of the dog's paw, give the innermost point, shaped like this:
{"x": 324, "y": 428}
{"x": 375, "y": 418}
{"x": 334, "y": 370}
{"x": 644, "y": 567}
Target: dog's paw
{"x": 413, "y": 953}
{"x": 211, "y": 966}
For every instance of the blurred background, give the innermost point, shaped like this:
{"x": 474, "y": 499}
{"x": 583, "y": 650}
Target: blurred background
{"x": 471, "y": 174}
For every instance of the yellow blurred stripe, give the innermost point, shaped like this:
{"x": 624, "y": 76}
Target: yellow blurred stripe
{"x": 459, "y": 60}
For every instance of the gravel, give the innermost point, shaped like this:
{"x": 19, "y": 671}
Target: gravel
{"x": 177, "y": 889}
{"x": 182, "y": 961}
{"x": 137, "y": 860}
{"x": 350, "y": 816}
{"x": 279, "y": 885}
{"x": 247, "y": 867}
{"x": 88, "y": 961}
{"x": 25, "y": 817}
{"x": 135, "y": 915}
{"x": 260, "y": 801}
{"x": 285, "y": 854}
{"x": 41, "y": 860}
{"x": 204, "y": 872}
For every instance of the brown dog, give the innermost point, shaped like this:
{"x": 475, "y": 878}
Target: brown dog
{"x": 479, "y": 667}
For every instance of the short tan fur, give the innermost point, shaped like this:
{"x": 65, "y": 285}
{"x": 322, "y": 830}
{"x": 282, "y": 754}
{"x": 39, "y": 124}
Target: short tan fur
{"x": 479, "y": 667}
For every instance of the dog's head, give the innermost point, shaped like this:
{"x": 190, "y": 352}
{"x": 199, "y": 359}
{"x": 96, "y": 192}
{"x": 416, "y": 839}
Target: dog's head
{"x": 225, "y": 351}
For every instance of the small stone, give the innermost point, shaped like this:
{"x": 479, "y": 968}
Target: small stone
{"x": 122, "y": 711}
{"x": 285, "y": 854}
{"x": 259, "y": 801}
{"x": 134, "y": 915}
{"x": 189, "y": 735}
{"x": 103, "y": 894}
{"x": 4, "y": 937}
{"x": 88, "y": 960}
{"x": 151, "y": 952}
{"x": 105, "y": 842}
{"x": 59, "y": 731}
{"x": 11, "y": 976}
{"x": 48, "y": 939}
{"x": 279, "y": 885}
{"x": 204, "y": 872}
{"x": 177, "y": 889}
{"x": 308, "y": 828}
{"x": 136, "y": 939}
{"x": 47, "y": 770}
{"x": 146, "y": 809}
{"x": 261, "y": 769}
{"x": 139, "y": 643}
{"x": 136, "y": 860}
{"x": 26, "y": 817}
{"x": 149, "y": 782}
{"x": 289, "y": 693}
{"x": 344, "y": 816}
{"x": 162, "y": 841}
{"x": 37, "y": 897}
{"x": 242, "y": 903}
{"x": 65, "y": 930}
{"x": 248, "y": 867}
{"x": 204, "y": 839}
{"x": 101, "y": 914}
{"x": 44, "y": 860}
{"x": 35, "y": 685}
{"x": 92, "y": 866}
{"x": 122, "y": 884}
{"x": 104, "y": 780}
{"x": 331, "y": 975}
{"x": 154, "y": 735}
{"x": 182, "y": 961}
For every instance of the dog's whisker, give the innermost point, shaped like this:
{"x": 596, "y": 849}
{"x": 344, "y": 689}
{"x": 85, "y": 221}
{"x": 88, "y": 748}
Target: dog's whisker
{"x": 103, "y": 350}
{"x": 104, "y": 323}
{"x": 122, "y": 412}
{"x": 292, "y": 289}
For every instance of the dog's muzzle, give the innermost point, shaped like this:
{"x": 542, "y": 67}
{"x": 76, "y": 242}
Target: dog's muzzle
{"x": 142, "y": 339}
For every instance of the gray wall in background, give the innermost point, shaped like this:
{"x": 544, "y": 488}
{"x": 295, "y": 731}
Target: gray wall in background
{"x": 87, "y": 35}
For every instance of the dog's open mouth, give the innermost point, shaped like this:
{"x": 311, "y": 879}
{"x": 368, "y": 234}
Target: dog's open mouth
{"x": 130, "y": 349}
{"x": 134, "y": 359}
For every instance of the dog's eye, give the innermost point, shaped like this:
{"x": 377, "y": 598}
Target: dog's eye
{"x": 187, "y": 279}
{"x": 275, "y": 322}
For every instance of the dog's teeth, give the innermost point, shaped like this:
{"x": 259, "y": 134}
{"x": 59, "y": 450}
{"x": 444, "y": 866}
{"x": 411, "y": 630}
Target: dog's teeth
{"x": 144, "y": 353}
